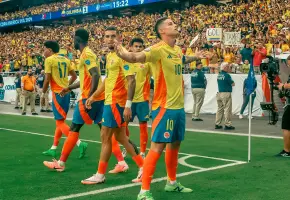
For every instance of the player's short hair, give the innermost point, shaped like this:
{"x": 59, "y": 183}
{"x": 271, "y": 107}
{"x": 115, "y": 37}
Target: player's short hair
{"x": 139, "y": 40}
{"x": 83, "y": 34}
{"x": 158, "y": 23}
{"x": 112, "y": 28}
{"x": 53, "y": 45}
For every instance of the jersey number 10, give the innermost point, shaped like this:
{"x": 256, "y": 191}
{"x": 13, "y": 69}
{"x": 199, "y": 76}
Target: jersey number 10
{"x": 177, "y": 69}
{"x": 62, "y": 69}
{"x": 169, "y": 125}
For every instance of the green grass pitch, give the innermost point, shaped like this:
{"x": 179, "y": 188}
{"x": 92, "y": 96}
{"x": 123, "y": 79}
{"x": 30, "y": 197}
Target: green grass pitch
{"x": 212, "y": 165}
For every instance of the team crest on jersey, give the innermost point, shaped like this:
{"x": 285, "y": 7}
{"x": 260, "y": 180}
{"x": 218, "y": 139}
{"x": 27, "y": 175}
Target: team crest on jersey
{"x": 142, "y": 66}
{"x": 166, "y": 135}
{"x": 126, "y": 67}
{"x": 88, "y": 62}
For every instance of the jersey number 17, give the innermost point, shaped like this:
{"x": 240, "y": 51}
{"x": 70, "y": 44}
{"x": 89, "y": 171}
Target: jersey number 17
{"x": 62, "y": 69}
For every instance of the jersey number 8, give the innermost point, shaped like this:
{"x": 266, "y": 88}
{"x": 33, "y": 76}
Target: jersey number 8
{"x": 62, "y": 69}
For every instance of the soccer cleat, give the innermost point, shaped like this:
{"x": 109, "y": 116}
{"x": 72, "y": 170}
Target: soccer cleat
{"x": 119, "y": 168}
{"x": 177, "y": 187}
{"x": 145, "y": 196}
{"x": 124, "y": 153}
{"x": 50, "y": 152}
{"x": 95, "y": 179}
{"x": 139, "y": 176}
{"x": 54, "y": 165}
{"x": 283, "y": 153}
{"x": 83, "y": 148}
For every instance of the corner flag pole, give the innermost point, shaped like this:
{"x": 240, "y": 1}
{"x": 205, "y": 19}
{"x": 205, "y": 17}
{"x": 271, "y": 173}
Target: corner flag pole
{"x": 250, "y": 128}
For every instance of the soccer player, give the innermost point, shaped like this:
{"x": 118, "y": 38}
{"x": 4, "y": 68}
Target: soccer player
{"x": 140, "y": 105}
{"x": 168, "y": 114}
{"x": 89, "y": 76}
{"x": 119, "y": 87}
{"x": 57, "y": 69}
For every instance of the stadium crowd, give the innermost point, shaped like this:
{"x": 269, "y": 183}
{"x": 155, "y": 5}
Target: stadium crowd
{"x": 263, "y": 24}
{"x": 44, "y": 8}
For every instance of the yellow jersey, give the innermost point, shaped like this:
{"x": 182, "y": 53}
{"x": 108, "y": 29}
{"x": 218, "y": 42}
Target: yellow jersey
{"x": 167, "y": 72}
{"x": 88, "y": 61}
{"x": 116, "y": 84}
{"x": 142, "y": 89}
{"x": 59, "y": 68}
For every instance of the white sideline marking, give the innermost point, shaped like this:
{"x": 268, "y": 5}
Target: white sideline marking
{"x": 188, "y": 129}
{"x": 182, "y": 162}
{"x": 94, "y": 141}
{"x": 136, "y": 184}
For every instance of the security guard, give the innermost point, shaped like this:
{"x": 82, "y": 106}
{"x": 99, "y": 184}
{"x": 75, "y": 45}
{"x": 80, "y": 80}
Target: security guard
{"x": 19, "y": 97}
{"x": 198, "y": 85}
{"x": 224, "y": 98}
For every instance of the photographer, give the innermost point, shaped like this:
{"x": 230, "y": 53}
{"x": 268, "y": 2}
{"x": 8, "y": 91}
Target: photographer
{"x": 286, "y": 117}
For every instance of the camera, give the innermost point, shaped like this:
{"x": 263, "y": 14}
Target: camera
{"x": 271, "y": 67}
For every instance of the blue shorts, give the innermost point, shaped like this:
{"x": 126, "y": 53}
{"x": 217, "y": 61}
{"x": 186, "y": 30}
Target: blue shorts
{"x": 141, "y": 110}
{"x": 60, "y": 106}
{"x": 168, "y": 125}
{"x": 113, "y": 116}
{"x": 84, "y": 116}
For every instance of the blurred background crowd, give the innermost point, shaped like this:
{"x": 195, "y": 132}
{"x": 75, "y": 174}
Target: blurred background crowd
{"x": 263, "y": 25}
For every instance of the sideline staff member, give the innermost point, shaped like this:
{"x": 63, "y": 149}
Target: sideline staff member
{"x": 198, "y": 85}
{"x": 28, "y": 91}
{"x": 224, "y": 98}
{"x": 285, "y": 119}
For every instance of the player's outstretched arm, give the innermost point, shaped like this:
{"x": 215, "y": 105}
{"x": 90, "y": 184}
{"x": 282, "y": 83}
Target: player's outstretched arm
{"x": 130, "y": 57}
{"x": 198, "y": 55}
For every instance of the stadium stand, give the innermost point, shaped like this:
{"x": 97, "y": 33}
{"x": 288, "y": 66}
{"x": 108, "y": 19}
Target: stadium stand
{"x": 255, "y": 20}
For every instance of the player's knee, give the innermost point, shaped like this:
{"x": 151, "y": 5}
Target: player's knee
{"x": 105, "y": 137}
{"x": 75, "y": 127}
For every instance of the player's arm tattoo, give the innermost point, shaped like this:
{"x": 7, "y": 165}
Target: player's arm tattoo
{"x": 95, "y": 80}
{"x": 73, "y": 77}
{"x": 46, "y": 82}
{"x": 131, "y": 87}
{"x": 74, "y": 86}
{"x": 189, "y": 59}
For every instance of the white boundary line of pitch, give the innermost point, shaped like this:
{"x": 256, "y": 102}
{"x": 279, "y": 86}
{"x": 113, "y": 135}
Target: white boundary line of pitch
{"x": 188, "y": 129}
{"x": 110, "y": 189}
{"x": 95, "y": 141}
{"x": 180, "y": 160}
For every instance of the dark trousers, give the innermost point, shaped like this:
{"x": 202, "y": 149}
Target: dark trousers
{"x": 246, "y": 99}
